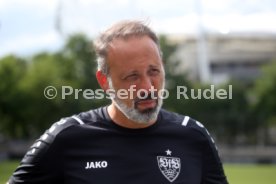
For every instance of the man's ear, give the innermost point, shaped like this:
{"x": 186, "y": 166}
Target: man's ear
{"x": 102, "y": 80}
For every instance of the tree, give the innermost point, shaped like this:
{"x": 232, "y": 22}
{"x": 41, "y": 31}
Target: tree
{"x": 264, "y": 92}
{"x": 12, "y": 101}
{"x": 25, "y": 111}
{"x": 79, "y": 49}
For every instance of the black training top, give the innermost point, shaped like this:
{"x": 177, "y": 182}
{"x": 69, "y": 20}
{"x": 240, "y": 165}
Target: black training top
{"x": 91, "y": 149}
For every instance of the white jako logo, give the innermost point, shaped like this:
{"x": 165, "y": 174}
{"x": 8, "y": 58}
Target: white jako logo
{"x": 96, "y": 165}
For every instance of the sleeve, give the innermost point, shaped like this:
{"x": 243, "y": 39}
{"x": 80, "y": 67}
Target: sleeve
{"x": 213, "y": 172}
{"x": 43, "y": 161}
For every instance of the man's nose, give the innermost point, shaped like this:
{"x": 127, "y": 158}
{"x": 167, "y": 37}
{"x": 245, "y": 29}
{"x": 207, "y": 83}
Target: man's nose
{"x": 146, "y": 83}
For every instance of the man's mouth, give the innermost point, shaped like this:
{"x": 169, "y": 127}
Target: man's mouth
{"x": 146, "y": 104}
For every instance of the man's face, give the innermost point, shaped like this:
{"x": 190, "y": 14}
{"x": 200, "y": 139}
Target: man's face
{"x": 136, "y": 61}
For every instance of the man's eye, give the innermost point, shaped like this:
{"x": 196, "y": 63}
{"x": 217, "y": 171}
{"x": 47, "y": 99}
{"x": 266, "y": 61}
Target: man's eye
{"x": 154, "y": 72}
{"x": 131, "y": 77}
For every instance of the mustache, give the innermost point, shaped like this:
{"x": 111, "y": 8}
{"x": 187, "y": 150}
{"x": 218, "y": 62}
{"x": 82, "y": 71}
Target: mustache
{"x": 146, "y": 96}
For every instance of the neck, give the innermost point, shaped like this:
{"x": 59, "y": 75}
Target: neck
{"x": 120, "y": 119}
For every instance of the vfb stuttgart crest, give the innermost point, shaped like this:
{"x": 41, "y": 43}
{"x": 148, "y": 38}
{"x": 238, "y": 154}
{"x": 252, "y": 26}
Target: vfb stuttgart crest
{"x": 169, "y": 167}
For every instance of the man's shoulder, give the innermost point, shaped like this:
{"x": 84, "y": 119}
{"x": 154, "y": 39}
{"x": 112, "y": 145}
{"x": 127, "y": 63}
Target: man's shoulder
{"x": 183, "y": 120}
{"x": 87, "y": 117}
{"x": 91, "y": 116}
{"x": 46, "y": 140}
{"x": 187, "y": 123}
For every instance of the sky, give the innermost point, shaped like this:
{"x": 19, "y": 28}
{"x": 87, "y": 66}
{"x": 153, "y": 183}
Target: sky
{"x": 30, "y": 26}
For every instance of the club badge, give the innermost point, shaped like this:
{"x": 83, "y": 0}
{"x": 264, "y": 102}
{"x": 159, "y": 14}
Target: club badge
{"x": 169, "y": 166}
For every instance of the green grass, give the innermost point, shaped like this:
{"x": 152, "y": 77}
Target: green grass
{"x": 236, "y": 173}
{"x": 250, "y": 174}
{"x": 6, "y": 169}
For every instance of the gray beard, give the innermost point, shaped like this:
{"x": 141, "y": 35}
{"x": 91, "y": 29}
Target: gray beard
{"x": 132, "y": 113}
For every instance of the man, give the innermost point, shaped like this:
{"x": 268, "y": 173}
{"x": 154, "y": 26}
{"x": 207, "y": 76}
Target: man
{"x": 132, "y": 140}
